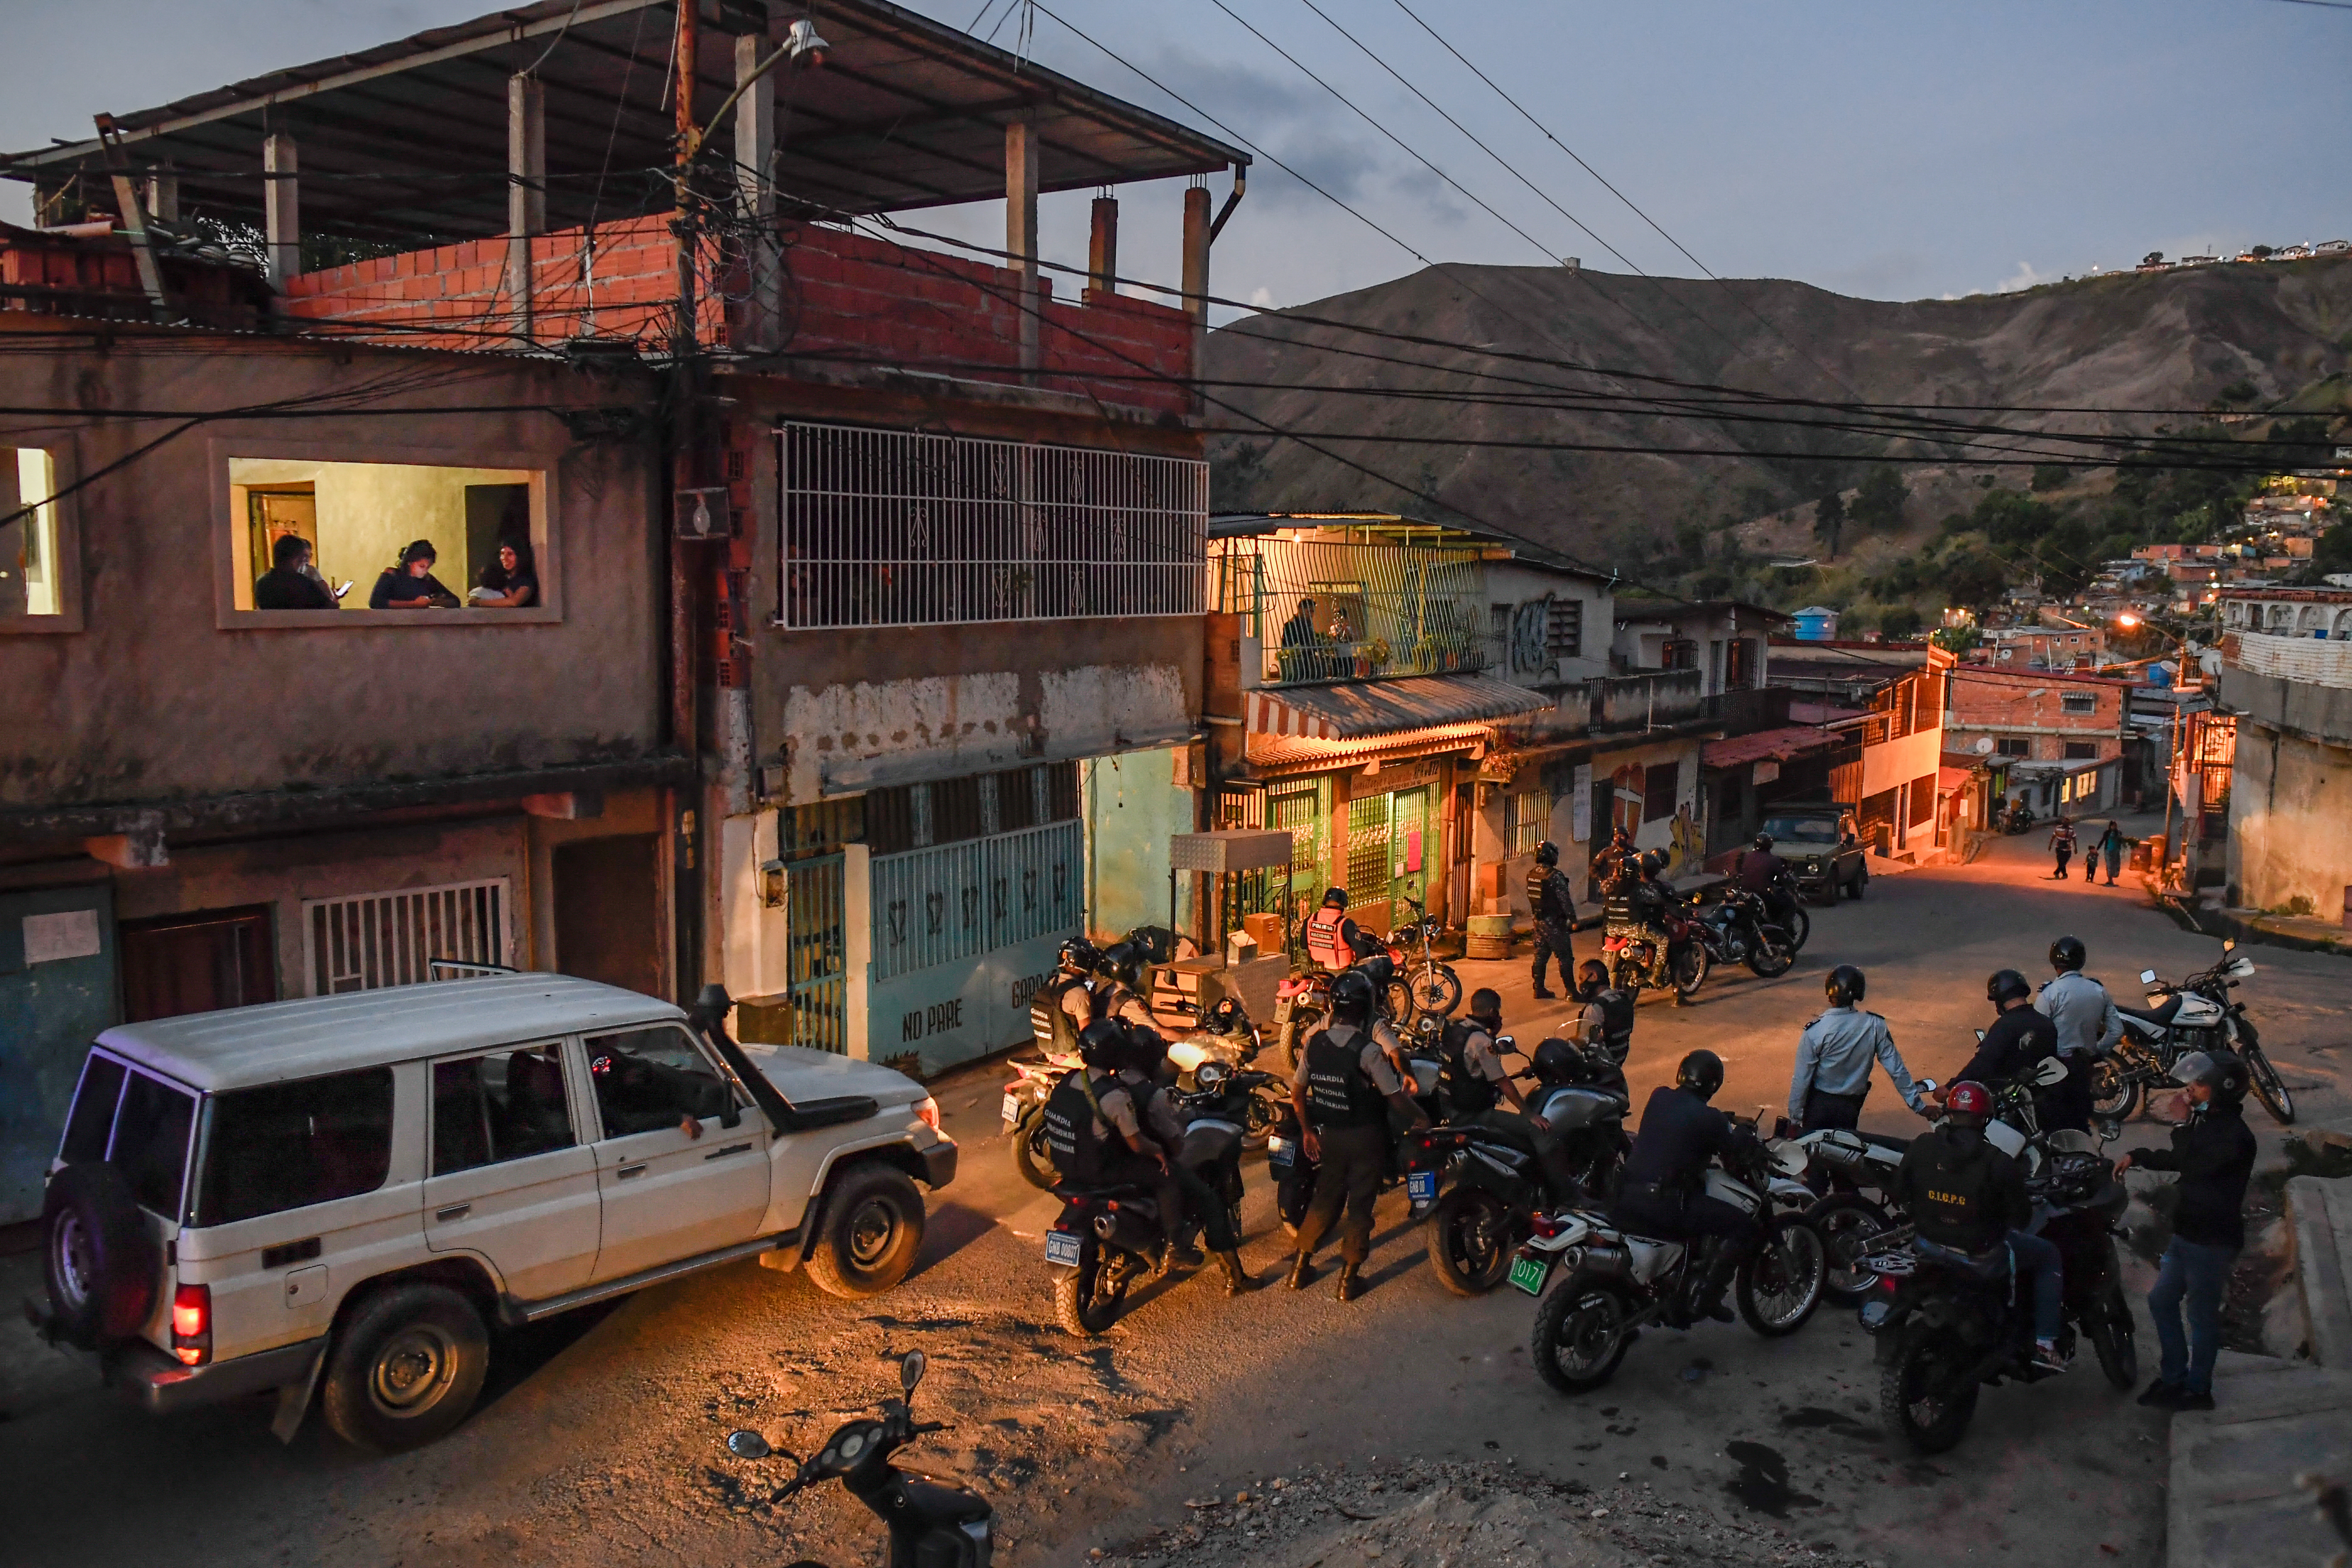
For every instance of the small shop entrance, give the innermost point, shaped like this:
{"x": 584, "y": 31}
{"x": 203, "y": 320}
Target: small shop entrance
{"x": 1388, "y": 855}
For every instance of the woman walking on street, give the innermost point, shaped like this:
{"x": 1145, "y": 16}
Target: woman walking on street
{"x": 2062, "y": 845}
{"x": 2111, "y": 845}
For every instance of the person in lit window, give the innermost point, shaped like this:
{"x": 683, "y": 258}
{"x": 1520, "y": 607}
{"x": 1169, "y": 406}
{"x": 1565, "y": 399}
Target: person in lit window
{"x": 410, "y": 585}
{"x": 290, "y": 584}
{"x": 510, "y": 582}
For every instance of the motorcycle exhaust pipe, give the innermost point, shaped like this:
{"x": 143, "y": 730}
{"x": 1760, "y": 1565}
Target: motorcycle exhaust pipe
{"x": 1124, "y": 1230}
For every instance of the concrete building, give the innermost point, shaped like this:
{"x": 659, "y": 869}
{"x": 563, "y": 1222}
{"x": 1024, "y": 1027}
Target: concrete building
{"x": 2290, "y": 784}
{"x": 2312, "y": 613}
{"x": 1891, "y": 697}
{"x": 2062, "y": 737}
{"x": 846, "y": 553}
{"x": 2044, "y": 646}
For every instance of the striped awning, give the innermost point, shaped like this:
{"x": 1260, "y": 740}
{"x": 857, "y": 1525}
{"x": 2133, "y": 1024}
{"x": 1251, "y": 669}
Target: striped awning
{"x": 1361, "y": 709}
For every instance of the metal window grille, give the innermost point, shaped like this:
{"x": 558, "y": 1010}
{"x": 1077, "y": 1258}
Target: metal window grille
{"x": 1563, "y": 630}
{"x": 1378, "y": 608}
{"x": 893, "y": 528}
{"x": 817, "y": 973}
{"x": 391, "y": 939}
{"x": 1525, "y": 814}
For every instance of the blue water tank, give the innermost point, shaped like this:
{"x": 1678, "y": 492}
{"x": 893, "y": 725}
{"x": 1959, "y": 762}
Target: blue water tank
{"x": 1815, "y": 623}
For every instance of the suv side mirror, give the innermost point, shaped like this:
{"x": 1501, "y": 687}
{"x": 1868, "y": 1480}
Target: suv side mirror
{"x": 733, "y": 1115}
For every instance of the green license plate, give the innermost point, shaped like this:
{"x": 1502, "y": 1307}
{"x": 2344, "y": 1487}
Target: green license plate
{"x": 1529, "y": 1272}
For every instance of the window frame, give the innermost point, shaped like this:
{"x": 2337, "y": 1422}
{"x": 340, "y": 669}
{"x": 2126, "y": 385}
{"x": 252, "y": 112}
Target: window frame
{"x": 227, "y": 533}
{"x": 64, "y": 474}
{"x": 565, "y": 1056}
{"x": 739, "y": 1096}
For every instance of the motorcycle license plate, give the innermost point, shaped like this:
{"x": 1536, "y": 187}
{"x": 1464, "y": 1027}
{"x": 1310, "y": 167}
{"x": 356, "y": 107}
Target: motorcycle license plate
{"x": 1281, "y": 1152}
{"x": 1011, "y": 1110}
{"x": 1529, "y": 1271}
{"x": 1062, "y": 1248}
{"x": 1421, "y": 1186}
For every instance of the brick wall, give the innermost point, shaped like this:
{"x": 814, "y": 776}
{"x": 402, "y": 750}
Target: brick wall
{"x": 848, "y": 298}
{"x": 2030, "y": 707}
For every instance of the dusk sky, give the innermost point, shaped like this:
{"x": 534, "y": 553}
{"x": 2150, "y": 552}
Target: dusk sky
{"x": 1891, "y": 150}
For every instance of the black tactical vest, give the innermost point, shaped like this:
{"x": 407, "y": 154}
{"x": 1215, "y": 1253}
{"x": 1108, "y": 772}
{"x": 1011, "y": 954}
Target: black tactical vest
{"x": 1339, "y": 1093}
{"x": 1050, "y": 1025}
{"x": 1616, "y": 1021}
{"x": 1469, "y": 1092}
{"x": 1070, "y": 1130}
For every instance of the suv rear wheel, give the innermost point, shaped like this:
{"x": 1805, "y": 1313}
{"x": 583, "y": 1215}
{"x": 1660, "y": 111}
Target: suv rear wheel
{"x": 103, "y": 1267}
{"x": 406, "y": 1368}
{"x": 873, "y": 1228}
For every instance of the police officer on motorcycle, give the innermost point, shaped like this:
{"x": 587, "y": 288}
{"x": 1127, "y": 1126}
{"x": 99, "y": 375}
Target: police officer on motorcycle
{"x": 2020, "y": 1039}
{"x": 1476, "y": 1081}
{"x": 1551, "y": 899}
{"x": 1115, "y": 990}
{"x": 1095, "y": 1127}
{"x": 1343, "y": 1098}
{"x": 1661, "y": 1193}
{"x": 1141, "y": 1060}
{"x": 1063, "y": 1006}
{"x": 1334, "y": 940}
{"x": 2088, "y": 1027}
{"x": 1760, "y": 867}
{"x": 1966, "y": 1197}
{"x": 1833, "y": 1059}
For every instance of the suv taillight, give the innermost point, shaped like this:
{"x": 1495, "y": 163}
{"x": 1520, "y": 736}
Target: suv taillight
{"x": 192, "y": 1324}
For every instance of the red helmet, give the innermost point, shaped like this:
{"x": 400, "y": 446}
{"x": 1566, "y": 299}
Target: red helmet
{"x": 1969, "y": 1098}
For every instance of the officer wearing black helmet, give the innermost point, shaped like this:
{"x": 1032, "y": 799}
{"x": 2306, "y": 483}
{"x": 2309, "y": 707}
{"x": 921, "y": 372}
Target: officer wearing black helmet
{"x": 1343, "y": 1098}
{"x": 1604, "y": 1029}
{"x": 1759, "y": 867}
{"x": 2214, "y": 1152}
{"x": 1552, "y": 900}
{"x": 1116, "y": 989}
{"x": 2020, "y": 1039}
{"x": 1063, "y": 1006}
{"x": 1142, "y": 1061}
{"x": 1660, "y": 1193}
{"x": 1094, "y": 1124}
{"x": 1834, "y": 1054}
{"x": 2088, "y": 1026}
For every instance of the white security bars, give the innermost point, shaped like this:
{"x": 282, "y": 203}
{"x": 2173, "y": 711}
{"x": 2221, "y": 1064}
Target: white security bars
{"x": 388, "y": 939}
{"x": 889, "y": 528}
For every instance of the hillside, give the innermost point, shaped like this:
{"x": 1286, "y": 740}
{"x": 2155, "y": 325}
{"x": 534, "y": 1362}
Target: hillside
{"x": 2181, "y": 339}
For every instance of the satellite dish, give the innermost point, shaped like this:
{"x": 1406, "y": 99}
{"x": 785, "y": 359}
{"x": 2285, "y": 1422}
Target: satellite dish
{"x": 1984, "y": 745}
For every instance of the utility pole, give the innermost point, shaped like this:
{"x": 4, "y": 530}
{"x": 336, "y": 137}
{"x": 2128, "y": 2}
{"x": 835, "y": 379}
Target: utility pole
{"x": 688, "y": 872}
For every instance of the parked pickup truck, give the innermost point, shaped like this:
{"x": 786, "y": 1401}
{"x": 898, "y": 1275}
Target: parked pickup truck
{"x": 337, "y": 1196}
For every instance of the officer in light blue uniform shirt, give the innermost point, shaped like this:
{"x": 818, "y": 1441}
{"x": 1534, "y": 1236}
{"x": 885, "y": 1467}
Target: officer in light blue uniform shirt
{"x": 2088, "y": 1027}
{"x": 1835, "y": 1055}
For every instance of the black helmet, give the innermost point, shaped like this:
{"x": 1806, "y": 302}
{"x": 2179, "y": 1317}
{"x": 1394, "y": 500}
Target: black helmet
{"x": 1845, "y": 985}
{"x": 1103, "y": 1044}
{"x": 1764, "y": 842}
{"x": 1701, "y": 1073}
{"x": 1485, "y": 1003}
{"x": 1080, "y": 956}
{"x": 2225, "y": 1072}
{"x": 1122, "y": 961}
{"x": 1144, "y": 1049}
{"x": 2068, "y": 954}
{"x": 1557, "y": 1061}
{"x": 1352, "y": 997}
{"x": 1226, "y": 1017}
{"x": 2007, "y": 985}
{"x": 1654, "y": 862}
{"x": 1546, "y": 852}
{"x": 1335, "y": 899}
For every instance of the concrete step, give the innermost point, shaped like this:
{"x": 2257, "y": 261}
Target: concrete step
{"x": 2319, "y": 1219}
{"x": 2232, "y": 1500}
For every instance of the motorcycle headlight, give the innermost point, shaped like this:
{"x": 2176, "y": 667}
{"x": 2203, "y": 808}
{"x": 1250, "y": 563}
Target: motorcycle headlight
{"x": 1814, "y": 865}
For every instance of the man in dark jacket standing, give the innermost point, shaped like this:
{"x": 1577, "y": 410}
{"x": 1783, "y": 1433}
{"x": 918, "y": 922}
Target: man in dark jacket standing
{"x": 2214, "y": 1154}
{"x": 1552, "y": 900}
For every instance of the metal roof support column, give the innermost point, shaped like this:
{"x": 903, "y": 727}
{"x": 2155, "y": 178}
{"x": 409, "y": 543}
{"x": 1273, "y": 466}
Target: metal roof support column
{"x": 163, "y": 196}
{"x": 1020, "y": 231}
{"x": 526, "y": 191}
{"x": 1102, "y": 247}
{"x": 1196, "y": 277}
{"x": 755, "y": 160}
{"x": 281, "y": 207}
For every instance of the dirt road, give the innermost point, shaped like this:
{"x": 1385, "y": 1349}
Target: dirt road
{"x": 601, "y": 1440}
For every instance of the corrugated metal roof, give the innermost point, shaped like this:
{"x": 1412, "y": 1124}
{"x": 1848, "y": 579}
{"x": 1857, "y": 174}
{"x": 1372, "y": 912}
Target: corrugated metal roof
{"x": 1794, "y": 741}
{"x": 1361, "y": 710}
{"x": 1279, "y": 754}
{"x": 277, "y": 1041}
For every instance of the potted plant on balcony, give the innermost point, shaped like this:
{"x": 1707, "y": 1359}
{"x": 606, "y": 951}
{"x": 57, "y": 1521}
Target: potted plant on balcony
{"x": 1371, "y": 656}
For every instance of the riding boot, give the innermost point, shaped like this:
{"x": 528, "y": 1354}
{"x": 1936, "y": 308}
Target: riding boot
{"x": 1351, "y": 1284}
{"x": 1237, "y": 1278}
{"x": 1302, "y": 1272}
{"x": 1719, "y": 1271}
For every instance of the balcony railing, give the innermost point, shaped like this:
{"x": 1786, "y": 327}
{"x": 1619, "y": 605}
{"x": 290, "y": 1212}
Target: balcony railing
{"x": 1327, "y": 662}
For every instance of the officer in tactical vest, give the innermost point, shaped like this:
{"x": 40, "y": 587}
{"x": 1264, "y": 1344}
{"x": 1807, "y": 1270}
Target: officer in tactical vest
{"x": 1139, "y": 1073}
{"x": 1116, "y": 989}
{"x": 1552, "y": 900}
{"x": 1092, "y": 1125}
{"x": 1476, "y": 1081}
{"x": 1053, "y": 1018}
{"x": 1605, "y": 1027}
{"x": 1343, "y": 1098}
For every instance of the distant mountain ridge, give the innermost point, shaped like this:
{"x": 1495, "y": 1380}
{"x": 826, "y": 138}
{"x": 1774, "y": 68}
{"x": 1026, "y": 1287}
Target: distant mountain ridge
{"x": 2172, "y": 340}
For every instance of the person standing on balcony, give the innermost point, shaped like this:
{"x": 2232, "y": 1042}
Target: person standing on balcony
{"x": 1299, "y": 635}
{"x": 1552, "y": 900}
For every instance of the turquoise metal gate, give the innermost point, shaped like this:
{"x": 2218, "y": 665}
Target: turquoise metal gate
{"x": 816, "y": 911}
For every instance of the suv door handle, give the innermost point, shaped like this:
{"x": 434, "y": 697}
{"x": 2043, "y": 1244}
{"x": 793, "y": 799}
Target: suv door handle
{"x": 731, "y": 1148}
{"x": 455, "y": 1210}
{"x": 625, "y": 1172}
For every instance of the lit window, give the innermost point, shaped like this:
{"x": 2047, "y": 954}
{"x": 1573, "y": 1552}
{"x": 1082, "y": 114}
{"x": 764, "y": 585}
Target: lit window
{"x": 381, "y": 540}
{"x": 32, "y": 580}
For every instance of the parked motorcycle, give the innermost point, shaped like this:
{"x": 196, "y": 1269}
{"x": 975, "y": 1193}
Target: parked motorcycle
{"x": 1294, "y": 1169}
{"x": 1433, "y": 988}
{"x": 1948, "y": 1322}
{"x": 1784, "y": 906}
{"x": 1109, "y": 1238}
{"x": 2019, "y": 817}
{"x": 1739, "y": 929}
{"x": 1500, "y": 1186}
{"x": 1632, "y": 958}
{"x": 932, "y": 1524}
{"x": 2197, "y": 1015}
{"x": 1614, "y": 1283}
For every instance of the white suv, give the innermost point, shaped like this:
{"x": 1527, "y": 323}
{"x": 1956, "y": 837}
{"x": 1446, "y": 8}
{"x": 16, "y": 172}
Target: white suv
{"x": 341, "y": 1194}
